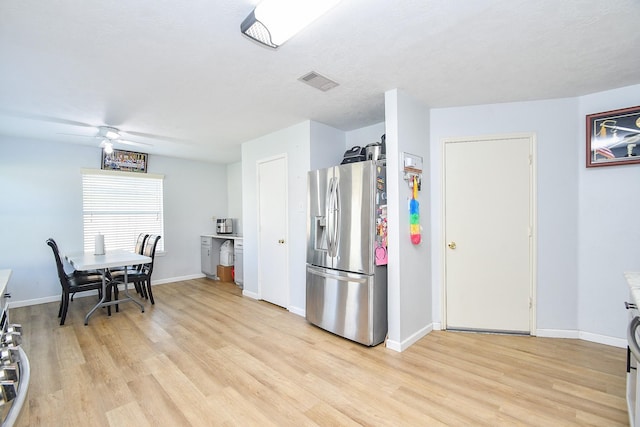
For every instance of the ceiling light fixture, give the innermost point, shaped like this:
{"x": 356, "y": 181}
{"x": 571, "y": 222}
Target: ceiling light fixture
{"x": 108, "y": 147}
{"x": 273, "y": 22}
{"x": 112, "y": 135}
{"x": 109, "y": 132}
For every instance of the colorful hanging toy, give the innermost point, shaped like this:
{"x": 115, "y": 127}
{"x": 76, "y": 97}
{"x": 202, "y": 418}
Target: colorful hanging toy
{"x": 414, "y": 215}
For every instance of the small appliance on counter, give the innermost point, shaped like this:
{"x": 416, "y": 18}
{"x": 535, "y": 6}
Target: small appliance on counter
{"x": 224, "y": 226}
{"x": 374, "y": 151}
{"x": 354, "y": 154}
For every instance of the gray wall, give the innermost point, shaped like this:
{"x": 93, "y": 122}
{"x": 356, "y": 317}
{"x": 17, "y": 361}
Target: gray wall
{"x": 609, "y": 240}
{"x": 40, "y": 183}
{"x": 586, "y": 236}
{"x": 293, "y": 141}
{"x": 234, "y": 191}
{"x": 585, "y": 233}
{"x": 305, "y": 144}
{"x": 363, "y": 136}
{"x": 327, "y": 147}
{"x": 409, "y": 270}
{"x": 556, "y": 127}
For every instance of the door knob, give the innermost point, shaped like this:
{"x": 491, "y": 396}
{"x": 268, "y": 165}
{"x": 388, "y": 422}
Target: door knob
{"x": 281, "y": 241}
{"x": 452, "y": 245}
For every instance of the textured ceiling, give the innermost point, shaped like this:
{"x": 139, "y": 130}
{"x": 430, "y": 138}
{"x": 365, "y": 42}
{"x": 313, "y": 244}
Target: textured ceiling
{"x": 180, "y": 77}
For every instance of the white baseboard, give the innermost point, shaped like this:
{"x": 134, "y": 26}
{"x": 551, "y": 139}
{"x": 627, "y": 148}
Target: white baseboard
{"x": 249, "y": 294}
{"x": 56, "y": 298}
{"x": 587, "y": 336}
{"x": 557, "y": 333}
{"x": 602, "y": 339}
{"x": 37, "y": 301}
{"x": 299, "y": 311}
{"x": 390, "y": 344}
{"x": 546, "y": 333}
{"x": 177, "y": 279}
{"x": 402, "y": 346}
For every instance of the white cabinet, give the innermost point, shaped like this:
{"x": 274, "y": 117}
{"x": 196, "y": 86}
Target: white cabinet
{"x": 208, "y": 256}
{"x": 238, "y": 249}
{"x": 210, "y": 245}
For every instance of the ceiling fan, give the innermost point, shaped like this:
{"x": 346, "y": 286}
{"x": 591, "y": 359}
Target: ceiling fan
{"x": 111, "y": 135}
{"x": 108, "y": 135}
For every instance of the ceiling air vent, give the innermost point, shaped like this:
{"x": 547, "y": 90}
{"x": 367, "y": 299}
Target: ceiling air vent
{"x": 319, "y": 82}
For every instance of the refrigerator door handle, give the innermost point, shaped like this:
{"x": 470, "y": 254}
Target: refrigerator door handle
{"x": 330, "y": 217}
{"x": 336, "y": 220}
{"x": 329, "y": 274}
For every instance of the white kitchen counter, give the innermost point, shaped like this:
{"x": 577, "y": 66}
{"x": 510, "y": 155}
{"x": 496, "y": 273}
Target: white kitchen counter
{"x": 210, "y": 245}
{"x": 633, "y": 280}
{"x": 4, "y": 279}
{"x": 223, "y": 236}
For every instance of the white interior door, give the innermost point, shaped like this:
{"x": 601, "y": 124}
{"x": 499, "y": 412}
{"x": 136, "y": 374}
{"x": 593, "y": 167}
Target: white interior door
{"x": 488, "y": 234}
{"x": 272, "y": 231}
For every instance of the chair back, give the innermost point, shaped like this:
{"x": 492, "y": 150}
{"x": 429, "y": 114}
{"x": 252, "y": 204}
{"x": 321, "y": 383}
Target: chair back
{"x": 62, "y": 275}
{"x": 150, "y": 251}
{"x": 142, "y": 239}
{"x": 150, "y": 245}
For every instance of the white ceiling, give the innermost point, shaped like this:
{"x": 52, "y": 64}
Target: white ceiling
{"x": 180, "y": 76}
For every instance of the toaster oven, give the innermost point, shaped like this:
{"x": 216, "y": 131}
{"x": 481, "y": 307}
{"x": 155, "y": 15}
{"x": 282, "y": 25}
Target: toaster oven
{"x": 224, "y": 226}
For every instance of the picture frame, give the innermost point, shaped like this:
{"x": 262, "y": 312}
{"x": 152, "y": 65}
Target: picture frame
{"x": 613, "y": 137}
{"x": 127, "y": 161}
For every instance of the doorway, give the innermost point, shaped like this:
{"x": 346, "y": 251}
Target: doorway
{"x": 273, "y": 277}
{"x": 489, "y": 216}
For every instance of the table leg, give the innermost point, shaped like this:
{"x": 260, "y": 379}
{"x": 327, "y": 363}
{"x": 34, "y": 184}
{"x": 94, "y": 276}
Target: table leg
{"x": 102, "y": 300}
{"x": 126, "y": 291}
{"x": 104, "y": 303}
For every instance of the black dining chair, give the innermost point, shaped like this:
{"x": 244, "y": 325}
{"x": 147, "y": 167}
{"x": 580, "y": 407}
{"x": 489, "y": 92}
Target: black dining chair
{"x": 142, "y": 278}
{"x": 77, "y": 281}
{"x": 119, "y": 272}
{"x": 139, "y": 275}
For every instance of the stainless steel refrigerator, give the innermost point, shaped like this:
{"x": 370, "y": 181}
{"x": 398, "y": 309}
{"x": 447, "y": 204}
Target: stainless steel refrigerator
{"x": 347, "y": 251}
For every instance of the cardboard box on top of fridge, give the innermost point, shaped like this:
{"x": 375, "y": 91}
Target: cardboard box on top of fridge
{"x": 225, "y": 273}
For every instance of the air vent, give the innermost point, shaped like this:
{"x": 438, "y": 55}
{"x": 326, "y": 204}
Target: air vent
{"x": 318, "y": 81}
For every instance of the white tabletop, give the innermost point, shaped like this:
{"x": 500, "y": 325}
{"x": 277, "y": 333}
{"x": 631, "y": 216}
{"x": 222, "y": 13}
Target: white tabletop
{"x": 4, "y": 279}
{"x": 633, "y": 278}
{"x": 111, "y": 259}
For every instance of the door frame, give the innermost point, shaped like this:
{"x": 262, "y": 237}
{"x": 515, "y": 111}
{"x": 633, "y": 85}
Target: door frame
{"x": 533, "y": 214}
{"x": 285, "y": 277}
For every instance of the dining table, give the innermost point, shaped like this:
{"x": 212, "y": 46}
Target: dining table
{"x": 86, "y": 261}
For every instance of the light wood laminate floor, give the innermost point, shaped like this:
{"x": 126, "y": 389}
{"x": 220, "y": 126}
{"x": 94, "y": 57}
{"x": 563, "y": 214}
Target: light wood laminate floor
{"x": 205, "y": 355}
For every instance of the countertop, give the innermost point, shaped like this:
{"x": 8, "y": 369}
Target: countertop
{"x": 223, "y": 236}
{"x": 4, "y": 279}
{"x": 633, "y": 279}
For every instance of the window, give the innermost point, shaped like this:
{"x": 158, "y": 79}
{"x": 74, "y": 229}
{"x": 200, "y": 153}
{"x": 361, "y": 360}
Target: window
{"x": 120, "y": 206}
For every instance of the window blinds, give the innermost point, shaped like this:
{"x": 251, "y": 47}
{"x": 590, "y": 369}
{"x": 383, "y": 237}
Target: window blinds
{"x": 121, "y": 206}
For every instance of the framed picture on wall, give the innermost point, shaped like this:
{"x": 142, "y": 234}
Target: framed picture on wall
{"x": 121, "y": 160}
{"x": 613, "y": 137}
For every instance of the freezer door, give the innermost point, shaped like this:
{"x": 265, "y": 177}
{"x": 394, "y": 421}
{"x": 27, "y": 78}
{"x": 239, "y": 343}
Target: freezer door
{"x": 351, "y": 305}
{"x": 354, "y": 236}
{"x": 319, "y": 186}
